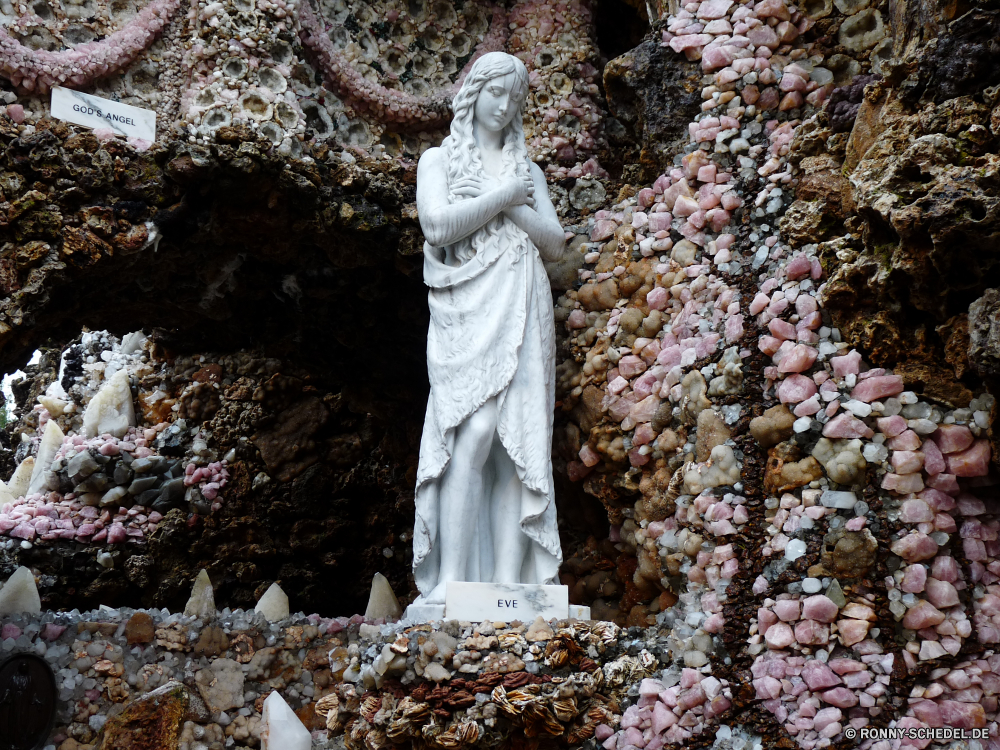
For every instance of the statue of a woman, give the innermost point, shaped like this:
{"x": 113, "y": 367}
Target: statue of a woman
{"x": 484, "y": 499}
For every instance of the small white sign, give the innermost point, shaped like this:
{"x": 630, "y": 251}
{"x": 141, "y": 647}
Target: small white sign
{"x": 504, "y": 602}
{"x": 96, "y": 112}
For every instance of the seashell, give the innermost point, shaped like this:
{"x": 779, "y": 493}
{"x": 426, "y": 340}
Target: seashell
{"x": 327, "y": 704}
{"x": 457, "y": 735}
{"x": 243, "y": 647}
{"x": 677, "y": 482}
{"x": 357, "y": 731}
{"x": 256, "y": 106}
{"x": 235, "y": 67}
{"x": 508, "y": 640}
{"x": 401, "y": 645}
{"x": 272, "y": 132}
{"x": 461, "y": 44}
{"x": 395, "y": 61}
{"x": 443, "y": 13}
{"x": 370, "y": 706}
{"x": 432, "y": 39}
{"x": 376, "y": 739}
{"x": 546, "y": 57}
{"x": 607, "y": 632}
{"x": 414, "y": 712}
{"x": 579, "y": 735}
{"x": 565, "y": 709}
{"x": 598, "y": 713}
{"x": 557, "y": 658}
{"x": 647, "y": 661}
{"x": 499, "y": 696}
{"x": 540, "y": 722}
{"x": 364, "y": 15}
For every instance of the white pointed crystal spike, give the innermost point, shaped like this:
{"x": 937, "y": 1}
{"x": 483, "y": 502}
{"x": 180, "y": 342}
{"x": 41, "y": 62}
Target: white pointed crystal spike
{"x": 110, "y": 410}
{"x": 274, "y": 604}
{"x": 20, "y": 595}
{"x": 19, "y": 481}
{"x": 282, "y": 728}
{"x": 52, "y": 440}
{"x": 202, "y": 601}
{"x": 382, "y": 602}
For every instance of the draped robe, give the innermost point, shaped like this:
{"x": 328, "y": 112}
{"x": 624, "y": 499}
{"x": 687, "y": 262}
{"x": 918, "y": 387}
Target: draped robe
{"x": 491, "y": 333}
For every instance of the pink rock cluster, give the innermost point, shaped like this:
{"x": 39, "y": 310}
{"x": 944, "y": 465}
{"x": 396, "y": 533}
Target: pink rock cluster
{"x": 50, "y": 517}
{"x": 816, "y": 700}
{"x": 963, "y": 696}
{"x": 790, "y": 622}
{"x": 668, "y": 716}
{"x": 35, "y": 71}
{"x": 788, "y": 519}
{"x": 210, "y": 479}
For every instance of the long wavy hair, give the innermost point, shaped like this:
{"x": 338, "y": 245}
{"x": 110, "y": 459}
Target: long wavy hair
{"x": 462, "y": 153}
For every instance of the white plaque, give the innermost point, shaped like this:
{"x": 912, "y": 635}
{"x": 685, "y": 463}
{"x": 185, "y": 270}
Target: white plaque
{"x": 504, "y": 602}
{"x": 96, "y": 112}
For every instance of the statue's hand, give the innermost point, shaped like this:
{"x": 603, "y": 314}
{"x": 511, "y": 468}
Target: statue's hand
{"x": 520, "y": 190}
{"x": 472, "y": 187}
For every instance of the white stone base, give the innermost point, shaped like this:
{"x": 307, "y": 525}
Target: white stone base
{"x": 476, "y": 602}
{"x": 424, "y": 613}
{"x": 579, "y": 612}
{"x": 503, "y": 602}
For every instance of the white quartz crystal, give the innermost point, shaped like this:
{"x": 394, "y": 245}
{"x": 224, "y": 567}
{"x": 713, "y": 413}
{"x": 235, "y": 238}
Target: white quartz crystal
{"x": 111, "y": 409}
{"x": 21, "y": 478}
{"x": 273, "y": 605}
{"x": 52, "y": 440}
{"x": 282, "y": 728}
{"x": 795, "y": 549}
{"x": 202, "y": 601}
{"x": 382, "y": 602}
{"x": 19, "y": 594}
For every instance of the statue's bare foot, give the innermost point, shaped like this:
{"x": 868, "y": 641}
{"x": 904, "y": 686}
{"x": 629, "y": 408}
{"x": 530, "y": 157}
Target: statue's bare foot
{"x": 436, "y": 596}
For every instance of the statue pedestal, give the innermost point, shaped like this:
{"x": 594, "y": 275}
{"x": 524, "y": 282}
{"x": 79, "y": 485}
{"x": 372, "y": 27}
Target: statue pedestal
{"x": 499, "y": 602}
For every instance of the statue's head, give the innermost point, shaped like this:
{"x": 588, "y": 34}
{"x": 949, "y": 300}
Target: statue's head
{"x": 492, "y": 94}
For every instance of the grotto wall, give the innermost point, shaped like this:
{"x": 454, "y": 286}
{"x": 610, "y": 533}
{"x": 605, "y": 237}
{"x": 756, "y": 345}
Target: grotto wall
{"x": 777, "y": 329}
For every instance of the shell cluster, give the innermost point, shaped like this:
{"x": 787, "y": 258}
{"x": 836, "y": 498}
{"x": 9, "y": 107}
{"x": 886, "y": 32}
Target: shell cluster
{"x": 451, "y": 685}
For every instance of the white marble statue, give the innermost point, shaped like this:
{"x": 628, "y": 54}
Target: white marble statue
{"x": 484, "y": 498}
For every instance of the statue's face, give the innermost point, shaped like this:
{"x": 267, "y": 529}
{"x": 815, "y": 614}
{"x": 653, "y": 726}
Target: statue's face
{"x": 495, "y": 106}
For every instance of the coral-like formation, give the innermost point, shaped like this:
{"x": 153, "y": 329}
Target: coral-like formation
{"x": 34, "y": 70}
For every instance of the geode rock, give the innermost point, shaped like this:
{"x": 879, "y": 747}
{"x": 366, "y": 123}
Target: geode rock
{"x": 152, "y": 721}
{"x": 654, "y": 94}
{"x": 984, "y": 333}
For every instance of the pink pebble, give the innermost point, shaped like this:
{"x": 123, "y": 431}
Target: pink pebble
{"x": 971, "y": 462}
{"x": 876, "y": 388}
{"x": 941, "y": 593}
{"x": 953, "y": 438}
{"x": 787, "y": 609}
{"x": 801, "y": 358}
{"x": 847, "y": 426}
{"x": 819, "y": 607}
{"x": 796, "y": 388}
{"x": 779, "y": 636}
{"x": 915, "y": 547}
{"x": 923, "y": 614}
